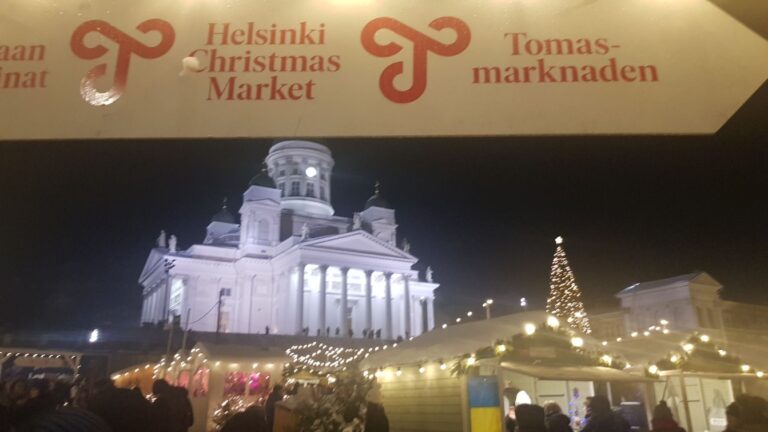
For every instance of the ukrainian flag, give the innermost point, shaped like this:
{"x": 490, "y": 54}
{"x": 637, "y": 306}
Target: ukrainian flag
{"x": 484, "y": 406}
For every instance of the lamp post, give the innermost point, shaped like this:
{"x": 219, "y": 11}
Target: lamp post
{"x": 487, "y": 307}
{"x": 523, "y": 304}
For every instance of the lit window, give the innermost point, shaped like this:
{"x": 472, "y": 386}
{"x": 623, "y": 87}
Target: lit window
{"x": 310, "y": 190}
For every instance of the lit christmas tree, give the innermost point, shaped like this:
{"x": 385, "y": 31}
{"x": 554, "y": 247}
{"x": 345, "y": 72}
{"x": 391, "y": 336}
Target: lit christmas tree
{"x": 564, "y": 299}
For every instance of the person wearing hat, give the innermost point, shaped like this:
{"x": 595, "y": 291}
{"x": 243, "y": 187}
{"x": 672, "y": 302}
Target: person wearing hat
{"x": 375, "y": 417}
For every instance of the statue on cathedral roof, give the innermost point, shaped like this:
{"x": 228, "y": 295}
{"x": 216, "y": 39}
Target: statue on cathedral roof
{"x": 172, "y": 243}
{"x": 162, "y": 241}
{"x": 357, "y": 222}
{"x": 429, "y": 274}
{"x": 304, "y": 231}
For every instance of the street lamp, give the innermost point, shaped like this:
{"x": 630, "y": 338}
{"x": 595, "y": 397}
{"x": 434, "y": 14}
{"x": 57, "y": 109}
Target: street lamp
{"x": 523, "y": 304}
{"x": 487, "y": 307}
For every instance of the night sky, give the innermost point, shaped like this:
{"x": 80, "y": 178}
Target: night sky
{"x": 77, "y": 219}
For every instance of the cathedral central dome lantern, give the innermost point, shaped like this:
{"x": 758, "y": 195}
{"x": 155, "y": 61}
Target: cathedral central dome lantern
{"x": 302, "y": 172}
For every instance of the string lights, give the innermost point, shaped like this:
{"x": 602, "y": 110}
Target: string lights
{"x": 322, "y": 356}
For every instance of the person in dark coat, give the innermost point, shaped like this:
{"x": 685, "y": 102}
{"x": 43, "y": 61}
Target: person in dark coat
{"x": 663, "y": 421}
{"x": 172, "y": 410}
{"x": 530, "y": 418}
{"x": 555, "y": 419}
{"x": 375, "y": 418}
{"x": 122, "y": 409}
{"x": 603, "y": 419}
{"x": 274, "y": 397}
{"x": 38, "y": 403}
{"x": 510, "y": 422}
{"x": 250, "y": 420}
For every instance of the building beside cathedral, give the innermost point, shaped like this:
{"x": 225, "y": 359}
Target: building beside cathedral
{"x": 688, "y": 303}
{"x": 291, "y": 265}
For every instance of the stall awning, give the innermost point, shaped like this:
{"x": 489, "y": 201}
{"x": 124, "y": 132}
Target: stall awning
{"x": 576, "y": 373}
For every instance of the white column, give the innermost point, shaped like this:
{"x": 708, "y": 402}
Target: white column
{"x": 144, "y": 303}
{"x": 344, "y": 321}
{"x": 430, "y": 313}
{"x": 321, "y": 324}
{"x": 407, "y": 299}
{"x": 368, "y": 300}
{"x": 156, "y": 295}
{"x": 388, "y": 306}
{"x": 300, "y": 300}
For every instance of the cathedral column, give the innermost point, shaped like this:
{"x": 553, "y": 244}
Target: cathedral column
{"x": 430, "y": 312}
{"x": 300, "y": 300}
{"x": 407, "y": 298}
{"x": 321, "y": 301}
{"x": 368, "y": 300}
{"x": 344, "y": 320}
{"x": 388, "y": 306}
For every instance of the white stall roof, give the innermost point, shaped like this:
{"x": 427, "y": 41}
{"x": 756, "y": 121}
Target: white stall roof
{"x": 236, "y": 352}
{"x": 581, "y": 373}
{"x": 457, "y": 340}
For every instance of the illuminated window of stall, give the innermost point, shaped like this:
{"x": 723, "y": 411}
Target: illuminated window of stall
{"x": 258, "y": 384}
{"x": 200, "y": 382}
{"x": 234, "y": 384}
{"x": 183, "y": 380}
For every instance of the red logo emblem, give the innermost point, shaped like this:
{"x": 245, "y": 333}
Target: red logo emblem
{"x": 127, "y": 46}
{"x": 422, "y": 44}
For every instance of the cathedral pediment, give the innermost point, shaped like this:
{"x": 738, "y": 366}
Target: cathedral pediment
{"x": 358, "y": 242}
{"x": 154, "y": 260}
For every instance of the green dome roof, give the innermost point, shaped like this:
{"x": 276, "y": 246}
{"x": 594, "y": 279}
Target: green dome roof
{"x": 263, "y": 179}
{"x": 224, "y": 215}
{"x": 377, "y": 200}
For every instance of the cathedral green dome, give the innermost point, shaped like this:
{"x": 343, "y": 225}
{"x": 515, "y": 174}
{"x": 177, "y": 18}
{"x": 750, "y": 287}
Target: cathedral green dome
{"x": 262, "y": 179}
{"x": 377, "y": 200}
{"x": 224, "y": 215}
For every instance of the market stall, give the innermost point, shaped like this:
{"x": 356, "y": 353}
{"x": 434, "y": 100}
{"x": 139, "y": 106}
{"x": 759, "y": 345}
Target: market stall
{"x": 220, "y": 378}
{"x": 465, "y": 377}
{"x": 35, "y": 363}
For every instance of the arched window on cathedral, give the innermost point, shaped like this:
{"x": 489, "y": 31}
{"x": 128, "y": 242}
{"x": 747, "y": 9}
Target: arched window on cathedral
{"x": 263, "y": 231}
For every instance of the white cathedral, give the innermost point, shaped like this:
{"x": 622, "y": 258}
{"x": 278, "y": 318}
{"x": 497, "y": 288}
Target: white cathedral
{"x": 291, "y": 266}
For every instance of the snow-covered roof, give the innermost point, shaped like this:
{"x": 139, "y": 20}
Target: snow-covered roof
{"x": 645, "y": 350}
{"x": 456, "y": 340}
{"x": 586, "y": 373}
{"x": 237, "y": 352}
{"x": 671, "y": 282}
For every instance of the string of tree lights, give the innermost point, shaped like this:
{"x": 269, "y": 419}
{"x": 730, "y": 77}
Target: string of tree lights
{"x": 319, "y": 357}
{"x": 564, "y": 299}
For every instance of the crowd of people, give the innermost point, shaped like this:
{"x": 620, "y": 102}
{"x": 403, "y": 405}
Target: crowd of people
{"x": 39, "y": 405}
{"x": 746, "y": 414}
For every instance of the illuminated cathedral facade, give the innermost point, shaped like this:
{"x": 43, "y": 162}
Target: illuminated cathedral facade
{"x": 289, "y": 265}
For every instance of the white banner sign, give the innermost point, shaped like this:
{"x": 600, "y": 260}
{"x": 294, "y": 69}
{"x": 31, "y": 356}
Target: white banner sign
{"x": 284, "y": 68}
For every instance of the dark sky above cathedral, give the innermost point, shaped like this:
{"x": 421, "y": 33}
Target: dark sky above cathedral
{"x": 77, "y": 219}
